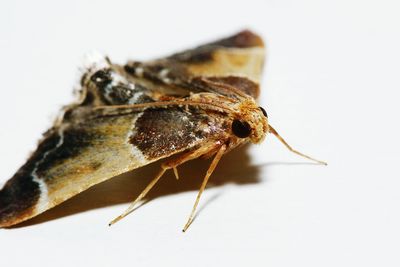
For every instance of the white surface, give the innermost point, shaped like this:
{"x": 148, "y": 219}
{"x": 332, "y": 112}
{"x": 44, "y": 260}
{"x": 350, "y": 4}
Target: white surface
{"x": 331, "y": 87}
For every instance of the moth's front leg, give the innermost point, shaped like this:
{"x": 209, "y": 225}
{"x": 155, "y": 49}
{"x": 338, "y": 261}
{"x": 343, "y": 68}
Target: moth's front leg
{"x": 210, "y": 170}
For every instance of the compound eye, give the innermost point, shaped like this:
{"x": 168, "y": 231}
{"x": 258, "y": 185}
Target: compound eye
{"x": 241, "y": 128}
{"x": 264, "y": 112}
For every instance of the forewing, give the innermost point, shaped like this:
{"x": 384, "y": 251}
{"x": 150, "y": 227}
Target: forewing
{"x": 235, "y": 61}
{"x": 93, "y": 146}
{"x": 239, "y": 55}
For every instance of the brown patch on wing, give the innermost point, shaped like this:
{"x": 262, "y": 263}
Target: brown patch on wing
{"x": 243, "y": 84}
{"x": 204, "y": 53}
{"x": 163, "y": 131}
{"x": 242, "y": 39}
{"x": 225, "y": 86}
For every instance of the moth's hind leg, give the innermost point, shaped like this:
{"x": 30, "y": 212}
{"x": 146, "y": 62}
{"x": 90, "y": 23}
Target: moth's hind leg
{"x": 171, "y": 164}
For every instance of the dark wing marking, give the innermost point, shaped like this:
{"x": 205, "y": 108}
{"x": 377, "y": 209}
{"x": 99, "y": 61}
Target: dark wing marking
{"x": 104, "y": 83}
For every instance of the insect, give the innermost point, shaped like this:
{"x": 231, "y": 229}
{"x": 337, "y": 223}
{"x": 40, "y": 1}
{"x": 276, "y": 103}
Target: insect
{"x": 197, "y": 103}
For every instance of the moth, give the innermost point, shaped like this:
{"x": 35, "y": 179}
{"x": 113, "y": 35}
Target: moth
{"x": 199, "y": 103}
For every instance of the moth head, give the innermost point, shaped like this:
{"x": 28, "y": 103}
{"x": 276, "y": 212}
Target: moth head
{"x": 250, "y": 122}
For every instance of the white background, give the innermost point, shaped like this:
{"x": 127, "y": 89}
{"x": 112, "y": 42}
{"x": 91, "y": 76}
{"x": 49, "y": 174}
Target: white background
{"x": 331, "y": 87}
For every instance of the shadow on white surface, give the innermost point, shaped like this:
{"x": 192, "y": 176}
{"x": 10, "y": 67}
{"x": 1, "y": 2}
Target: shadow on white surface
{"x": 235, "y": 168}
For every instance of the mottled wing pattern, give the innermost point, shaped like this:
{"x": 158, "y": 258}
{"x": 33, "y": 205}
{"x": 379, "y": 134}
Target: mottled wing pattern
{"x": 236, "y": 61}
{"x": 75, "y": 156}
{"x": 90, "y": 144}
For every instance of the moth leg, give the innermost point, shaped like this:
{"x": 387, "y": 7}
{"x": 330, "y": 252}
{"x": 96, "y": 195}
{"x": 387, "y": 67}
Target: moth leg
{"x": 203, "y": 185}
{"x": 176, "y": 173}
{"x": 172, "y": 164}
{"x": 274, "y": 132}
